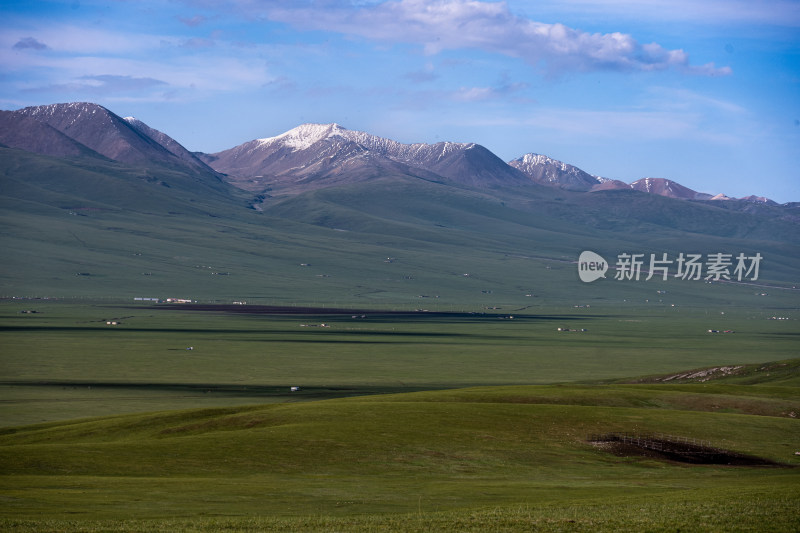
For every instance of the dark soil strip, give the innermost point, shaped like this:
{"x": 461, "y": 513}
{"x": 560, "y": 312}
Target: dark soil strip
{"x": 323, "y": 311}
{"x": 680, "y": 452}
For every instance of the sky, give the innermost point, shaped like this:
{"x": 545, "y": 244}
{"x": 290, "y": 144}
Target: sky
{"x": 702, "y": 92}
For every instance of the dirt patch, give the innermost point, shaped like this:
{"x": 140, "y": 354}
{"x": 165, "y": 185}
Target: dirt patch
{"x": 301, "y": 310}
{"x": 675, "y": 449}
{"x": 741, "y": 374}
{"x": 701, "y": 375}
{"x": 264, "y": 309}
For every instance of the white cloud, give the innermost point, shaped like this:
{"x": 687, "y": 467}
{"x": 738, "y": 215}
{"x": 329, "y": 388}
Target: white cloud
{"x": 79, "y": 39}
{"x": 439, "y": 25}
{"x": 783, "y": 13}
{"x": 91, "y": 61}
{"x": 104, "y": 84}
{"x": 679, "y": 100}
{"x": 475, "y": 94}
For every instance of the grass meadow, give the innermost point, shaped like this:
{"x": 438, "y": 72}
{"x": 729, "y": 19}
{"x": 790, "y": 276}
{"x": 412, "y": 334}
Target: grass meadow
{"x": 65, "y": 361}
{"x": 412, "y": 421}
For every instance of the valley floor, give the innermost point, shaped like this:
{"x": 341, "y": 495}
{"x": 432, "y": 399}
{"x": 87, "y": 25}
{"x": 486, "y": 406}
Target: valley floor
{"x": 410, "y": 422}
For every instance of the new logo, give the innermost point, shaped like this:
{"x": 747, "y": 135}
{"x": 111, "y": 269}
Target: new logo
{"x": 591, "y": 266}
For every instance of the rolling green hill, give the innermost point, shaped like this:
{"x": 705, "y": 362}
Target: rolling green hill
{"x": 492, "y": 458}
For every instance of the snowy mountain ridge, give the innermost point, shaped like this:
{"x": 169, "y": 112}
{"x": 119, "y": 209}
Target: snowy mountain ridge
{"x": 319, "y": 155}
{"x": 305, "y": 157}
{"x": 305, "y": 136}
{"x": 316, "y": 149}
{"x": 549, "y": 171}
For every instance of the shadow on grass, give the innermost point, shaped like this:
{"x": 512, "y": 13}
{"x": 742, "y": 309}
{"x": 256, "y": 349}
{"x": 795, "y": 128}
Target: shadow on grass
{"x": 254, "y": 391}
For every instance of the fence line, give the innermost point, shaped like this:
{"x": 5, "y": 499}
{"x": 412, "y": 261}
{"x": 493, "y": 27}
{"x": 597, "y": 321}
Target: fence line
{"x": 661, "y": 442}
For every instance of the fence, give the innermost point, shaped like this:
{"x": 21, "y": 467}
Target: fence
{"x": 660, "y": 442}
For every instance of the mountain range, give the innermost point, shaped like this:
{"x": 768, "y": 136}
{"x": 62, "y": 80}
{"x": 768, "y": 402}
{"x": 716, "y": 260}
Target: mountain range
{"x": 310, "y": 156}
{"x": 96, "y": 204}
{"x": 316, "y": 153}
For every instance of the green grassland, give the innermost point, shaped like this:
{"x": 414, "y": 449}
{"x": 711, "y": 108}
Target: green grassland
{"x": 409, "y": 421}
{"x": 457, "y": 395}
{"x": 481, "y": 458}
{"x": 65, "y": 361}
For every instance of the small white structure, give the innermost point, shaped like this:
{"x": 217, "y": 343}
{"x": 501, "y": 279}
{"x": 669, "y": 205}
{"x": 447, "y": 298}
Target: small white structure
{"x": 294, "y": 389}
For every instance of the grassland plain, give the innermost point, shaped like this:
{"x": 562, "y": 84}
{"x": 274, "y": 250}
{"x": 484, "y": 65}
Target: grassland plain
{"x": 508, "y": 457}
{"x": 479, "y": 459}
{"x": 65, "y": 361}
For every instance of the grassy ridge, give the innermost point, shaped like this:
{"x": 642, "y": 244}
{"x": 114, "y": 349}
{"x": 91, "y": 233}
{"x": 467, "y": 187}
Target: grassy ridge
{"x": 516, "y": 448}
{"x": 775, "y": 374}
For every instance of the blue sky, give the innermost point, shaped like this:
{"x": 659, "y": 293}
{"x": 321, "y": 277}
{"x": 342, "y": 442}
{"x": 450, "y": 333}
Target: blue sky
{"x": 704, "y": 92}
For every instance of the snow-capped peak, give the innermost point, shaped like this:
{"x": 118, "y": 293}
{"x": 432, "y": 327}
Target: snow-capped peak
{"x": 305, "y": 135}
{"x": 536, "y": 159}
{"x": 532, "y": 160}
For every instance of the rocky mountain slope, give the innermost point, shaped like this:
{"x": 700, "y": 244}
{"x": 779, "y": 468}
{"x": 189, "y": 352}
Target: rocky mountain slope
{"x": 88, "y": 128}
{"x": 317, "y": 155}
{"x": 25, "y": 133}
{"x": 668, "y": 188}
{"x": 308, "y": 157}
{"x": 313, "y": 156}
{"x": 548, "y": 171}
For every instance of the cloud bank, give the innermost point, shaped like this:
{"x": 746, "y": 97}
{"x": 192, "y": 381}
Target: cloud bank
{"x": 439, "y": 25}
